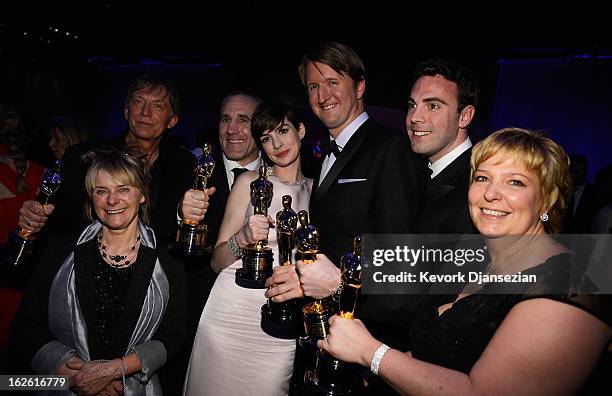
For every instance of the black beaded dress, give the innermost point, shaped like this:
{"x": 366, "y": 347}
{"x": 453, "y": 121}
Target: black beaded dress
{"x": 456, "y": 338}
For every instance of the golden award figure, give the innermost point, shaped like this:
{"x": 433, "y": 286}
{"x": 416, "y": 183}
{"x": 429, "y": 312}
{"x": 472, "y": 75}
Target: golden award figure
{"x": 257, "y": 258}
{"x": 332, "y": 376}
{"x": 316, "y": 312}
{"x": 191, "y": 235}
{"x": 22, "y": 246}
{"x": 280, "y": 319}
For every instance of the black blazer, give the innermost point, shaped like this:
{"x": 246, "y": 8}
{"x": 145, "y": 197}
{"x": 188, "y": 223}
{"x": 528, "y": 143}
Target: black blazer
{"x": 171, "y": 176}
{"x": 387, "y": 201}
{"x": 446, "y": 203}
{"x": 30, "y": 327}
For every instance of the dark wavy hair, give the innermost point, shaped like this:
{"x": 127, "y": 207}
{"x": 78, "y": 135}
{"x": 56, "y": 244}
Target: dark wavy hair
{"x": 468, "y": 90}
{"x": 270, "y": 114}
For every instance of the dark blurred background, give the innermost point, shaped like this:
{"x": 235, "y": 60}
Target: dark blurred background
{"x": 540, "y": 67}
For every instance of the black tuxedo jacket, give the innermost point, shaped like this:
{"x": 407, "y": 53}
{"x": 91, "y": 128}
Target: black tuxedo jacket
{"x": 375, "y": 186}
{"x": 446, "y": 202}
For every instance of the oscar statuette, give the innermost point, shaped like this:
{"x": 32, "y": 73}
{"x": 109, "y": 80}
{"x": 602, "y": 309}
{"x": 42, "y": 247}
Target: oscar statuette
{"x": 22, "y": 247}
{"x": 280, "y": 319}
{"x": 315, "y": 312}
{"x": 191, "y": 235}
{"x": 257, "y": 258}
{"x": 334, "y": 377}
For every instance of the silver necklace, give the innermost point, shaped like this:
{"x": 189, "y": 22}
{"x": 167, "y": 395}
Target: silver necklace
{"x": 300, "y": 180}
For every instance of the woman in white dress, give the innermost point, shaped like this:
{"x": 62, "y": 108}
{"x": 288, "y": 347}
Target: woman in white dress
{"x": 231, "y": 354}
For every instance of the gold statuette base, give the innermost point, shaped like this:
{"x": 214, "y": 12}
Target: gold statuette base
{"x": 316, "y": 317}
{"x": 191, "y": 239}
{"x": 256, "y": 268}
{"x": 281, "y": 320}
{"x": 334, "y": 377}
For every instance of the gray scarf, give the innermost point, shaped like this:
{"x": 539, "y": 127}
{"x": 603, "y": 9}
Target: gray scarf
{"x": 68, "y": 327}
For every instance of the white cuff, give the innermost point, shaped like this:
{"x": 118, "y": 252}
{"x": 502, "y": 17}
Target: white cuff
{"x": 378, "y": 355}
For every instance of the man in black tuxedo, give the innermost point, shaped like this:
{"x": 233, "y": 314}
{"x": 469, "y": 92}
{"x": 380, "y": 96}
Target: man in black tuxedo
{"x": 442, "y": 105}
{"x": 371, "y": 183}
{"x": 236, "y": 153}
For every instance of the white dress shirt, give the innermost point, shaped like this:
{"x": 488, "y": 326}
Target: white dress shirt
{"x": 229, "y": 165}
{"x": 341, "y": 141}
{"x": 445, "y": 161}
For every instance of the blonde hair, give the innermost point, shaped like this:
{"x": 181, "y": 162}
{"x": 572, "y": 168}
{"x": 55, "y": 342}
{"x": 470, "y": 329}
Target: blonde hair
{"x": 124, "y": 169}
{"x": 541, "y": 156}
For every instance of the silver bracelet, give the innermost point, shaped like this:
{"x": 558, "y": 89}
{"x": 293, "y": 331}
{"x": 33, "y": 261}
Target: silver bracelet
{"x": 234, "y": 248}
{"x": 378, "y": 355}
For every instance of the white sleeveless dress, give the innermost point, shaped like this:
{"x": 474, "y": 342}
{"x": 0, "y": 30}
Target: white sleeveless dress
{"x": 231, "y": 354}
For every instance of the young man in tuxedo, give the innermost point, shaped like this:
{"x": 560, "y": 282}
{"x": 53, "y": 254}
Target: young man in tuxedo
{"x": 442, "y": 105}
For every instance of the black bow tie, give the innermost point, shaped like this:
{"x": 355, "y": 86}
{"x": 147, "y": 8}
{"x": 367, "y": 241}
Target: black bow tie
{"x": 331, "y": 148}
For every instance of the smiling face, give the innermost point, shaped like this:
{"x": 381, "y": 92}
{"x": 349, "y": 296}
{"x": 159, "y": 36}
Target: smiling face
{"x": 116, "y": 204}
{"x": 282, "y": 144}
{"x": 434, "y": 124}
{"x": 505, "y": 198}
{"x": 149, "y": 114}
{"x": 235, "y": 135}
{"x": 334, "y": 98}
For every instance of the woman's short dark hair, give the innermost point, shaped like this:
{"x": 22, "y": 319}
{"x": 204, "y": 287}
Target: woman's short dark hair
{"x": 270, "y": 114}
